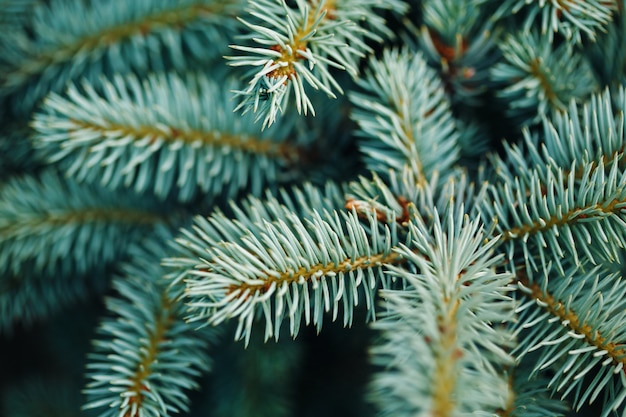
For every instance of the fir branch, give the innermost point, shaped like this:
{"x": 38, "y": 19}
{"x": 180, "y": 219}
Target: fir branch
{"x": 207, "y": 233}
{"x": 248, "y": 216}
{"x": 148, "y": 356}
{"x": 450, "y": 18}
{"x": 464, "y": 67}
{"x": 593, "y": 131}
{"x": 405, "y": 117}
{"x": 561, "y": 216}
{"x": 443, "y": 349}
{"x": 539, "y": 77}
{"x": 168, "y": 134}
{"x": 76, "y": 37}
{"x": 579, "y": 327}
{"x": 298, "y": 261}
{"x": 59, "y": 240}
{"x": 291, "y": 268}
{"x": 457, "y": 40}
{"x": 588, "y": 133}
{"x": 50, "y": 224}
{"x": 570, "y": 18}
{"x": 303, "y": 44}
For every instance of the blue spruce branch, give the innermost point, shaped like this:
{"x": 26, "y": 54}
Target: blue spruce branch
{"x": 147, "y": 356}
{"x": 486, "y": 273}
{"x": 176, "y": 137}
{"x": 89, "y": 38}
{"x": 443, "y": 349}
{"x": 318, "y": 36}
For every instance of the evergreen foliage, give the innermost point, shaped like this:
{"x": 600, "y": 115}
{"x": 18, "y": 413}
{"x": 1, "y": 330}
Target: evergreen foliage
{"x": 571, "y": 18}
{"x": 540, "y": 77}
{"x": 457, "y": 39}
{"x": 148, "y": 354}
{"x": 174, "y": 133}
{"x": 404, "y": 117}
{"x": 284, "y": 265}
{"x": 439, "y": 355}
{"x": 303, "y": 44}
{"x": 72, "y": 39}
{"x": 443, "y": 179}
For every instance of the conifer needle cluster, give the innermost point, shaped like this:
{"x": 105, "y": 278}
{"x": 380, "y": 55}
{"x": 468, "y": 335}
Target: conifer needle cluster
{"x": 200, "y": 199}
